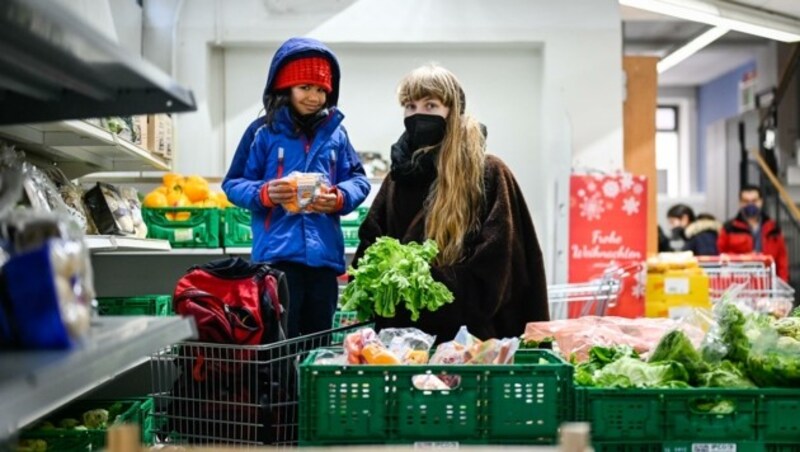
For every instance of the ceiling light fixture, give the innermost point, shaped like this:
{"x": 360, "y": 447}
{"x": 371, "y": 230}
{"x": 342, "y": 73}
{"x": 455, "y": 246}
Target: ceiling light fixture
{"x": 726, "y": 15}
{"x": 690, "y": 48}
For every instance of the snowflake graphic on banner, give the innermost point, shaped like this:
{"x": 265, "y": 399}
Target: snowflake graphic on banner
{"x": 637, "y": 289}
{"x": 591, "y": 186}
{"x": 638, "y": 189}
{"x": 592, "y": 208}
{"x": 626, "y": 181}
{"x": 611, "y": 189}
{"x": 630, "y": 206}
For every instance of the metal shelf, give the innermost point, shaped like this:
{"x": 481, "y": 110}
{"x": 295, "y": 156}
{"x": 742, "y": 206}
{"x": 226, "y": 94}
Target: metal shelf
{"x": 54, "y": 66}
{"x": 33, "y": 384}
{"x": 79, "y": 148}
{"x": 247, "y": 250}
{"x": 112, "y": 243}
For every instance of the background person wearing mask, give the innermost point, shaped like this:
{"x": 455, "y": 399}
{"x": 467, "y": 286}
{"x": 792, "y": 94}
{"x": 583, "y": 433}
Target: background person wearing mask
{"x": 752, "y": 231}
{"x": 690, "y": 233}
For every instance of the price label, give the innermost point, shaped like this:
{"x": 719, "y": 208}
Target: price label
{"x": 713, "y": 447}
{"x": 184, "y": 235}
{"x": 676, "y": 286}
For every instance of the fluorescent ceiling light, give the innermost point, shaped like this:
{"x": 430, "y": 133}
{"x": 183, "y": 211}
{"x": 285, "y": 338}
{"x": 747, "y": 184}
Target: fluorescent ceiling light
{"x": 727, "y": 15}
{"x": 690, "y": 48}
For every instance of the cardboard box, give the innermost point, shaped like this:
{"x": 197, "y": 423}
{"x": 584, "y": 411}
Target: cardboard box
{"x": 673, "y": 293}
{"x": 159, "y": 135}
{"x": 140, "y": 132}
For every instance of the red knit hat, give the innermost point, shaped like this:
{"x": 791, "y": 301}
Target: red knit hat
{"x": 311, "y": 71}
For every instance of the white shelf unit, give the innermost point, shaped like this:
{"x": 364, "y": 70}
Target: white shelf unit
{"x": 80, "y": 147}
{"x": 33, "y": 384}
{"x": 112, "y": 243}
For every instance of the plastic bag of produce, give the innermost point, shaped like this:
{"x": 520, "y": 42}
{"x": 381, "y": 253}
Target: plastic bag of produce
{"x": 409, "y": 344}
{"x": 72, "y": 195}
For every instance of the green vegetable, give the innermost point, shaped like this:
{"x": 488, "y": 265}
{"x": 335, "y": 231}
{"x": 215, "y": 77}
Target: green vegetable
{"x": 95, "y": 419}
{"x": 790, "y": 326}
{"x": 633, "y": 373}
{"x": 599, "y": 357}
{"x": 531, "y": 344}
{"x": 69, "y": 423}
{"x": 32, "y": 445}
{"x": 715, "y": 406}
{"x": 46, "y": 425}
{"x": 391, "y": 273}
{"x": 724, "y": 375}
{"x": 795, "y": 312}
{"x": 733, "y": 343}
{"x": 676, "y": 346}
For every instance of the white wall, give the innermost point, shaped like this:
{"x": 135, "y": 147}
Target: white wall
{"x": 580, "y": 81}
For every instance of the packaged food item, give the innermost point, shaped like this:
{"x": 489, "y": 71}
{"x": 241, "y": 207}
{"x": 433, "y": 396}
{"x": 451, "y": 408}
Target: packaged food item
{"x": 49, "y": 280}
{"x": 355, "y": 342}
{"x": 109, "y": 210}
{"x": 307, "y": 187}
{"x": 410, "y": 344}
{"x": 130, "y": 195}
{"x": 72, "y": 195}
{"x": 429, "y": 382}
{"x": 376, "y": 353}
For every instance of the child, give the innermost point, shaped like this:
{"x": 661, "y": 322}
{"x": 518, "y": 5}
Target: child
{"x": 300, "y": 131}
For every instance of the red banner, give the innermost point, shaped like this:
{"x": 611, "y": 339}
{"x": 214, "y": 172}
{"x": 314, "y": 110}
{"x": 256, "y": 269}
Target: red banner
{"x": 608, "y": 227}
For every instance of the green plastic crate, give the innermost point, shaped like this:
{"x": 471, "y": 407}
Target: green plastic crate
{"x": 510, "y": 404}
{"x": 355, "y": 218}
{"x": 350, "y": 225}
{"x": 200, "y": 230}
{"x": 69, "y": 440}
{"x": 157, "y": 305}
{"x": 641, "y": 420}
{"x": 237, "y": 231}
{"x": 341, "y": 319}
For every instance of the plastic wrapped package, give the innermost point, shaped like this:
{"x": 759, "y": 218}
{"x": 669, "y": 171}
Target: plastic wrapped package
{"x": 109, "y": 210}
{"x": 307, "y": 187}
{"x": 575, "y": 337}
{"x": 72, "y": 195}
{"x": 49, "y": 282}
{"x": 43, "y": 195}
{"x": 130, "y": 195}
{"x": 330, "y": 358}
{"x": 409, "y": 344}
{"x": 10, "y": 178}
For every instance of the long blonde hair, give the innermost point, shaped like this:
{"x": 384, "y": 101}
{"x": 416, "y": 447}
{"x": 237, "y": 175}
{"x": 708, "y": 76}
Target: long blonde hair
{"x": 456, "y": 198}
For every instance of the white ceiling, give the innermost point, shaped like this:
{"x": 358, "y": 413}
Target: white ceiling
{"x": 654, "y": 34}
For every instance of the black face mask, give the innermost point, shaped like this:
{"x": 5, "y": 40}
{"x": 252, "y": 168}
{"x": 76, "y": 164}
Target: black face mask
{"x": 678, "y": 233}
{"x": 424, "y": 130}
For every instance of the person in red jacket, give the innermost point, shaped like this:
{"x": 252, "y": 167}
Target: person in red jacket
{"x": 752, "y": 231}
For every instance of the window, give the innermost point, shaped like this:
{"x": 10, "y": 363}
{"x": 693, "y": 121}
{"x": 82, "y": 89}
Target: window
{"x": 668, "y": 150}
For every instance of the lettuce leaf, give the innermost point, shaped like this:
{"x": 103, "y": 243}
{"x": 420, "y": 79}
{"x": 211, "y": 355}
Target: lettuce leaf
{"x": 391, "y": 273}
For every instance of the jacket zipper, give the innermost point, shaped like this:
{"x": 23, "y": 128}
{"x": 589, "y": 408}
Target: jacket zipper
{"x": 332, "y": 168}
{"x": 280, "y": 175}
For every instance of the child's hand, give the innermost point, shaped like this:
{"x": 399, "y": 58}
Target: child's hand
{"x": 325, "y": 203}
{"x": 280, "y": 191}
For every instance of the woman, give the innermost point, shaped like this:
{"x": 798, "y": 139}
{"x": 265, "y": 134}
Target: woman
{"x": 444, "y": 187}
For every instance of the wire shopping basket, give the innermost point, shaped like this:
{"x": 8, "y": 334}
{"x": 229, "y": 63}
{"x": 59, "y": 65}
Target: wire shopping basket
{"x": 589, "y": 298}
{"x": 223, "y": 394}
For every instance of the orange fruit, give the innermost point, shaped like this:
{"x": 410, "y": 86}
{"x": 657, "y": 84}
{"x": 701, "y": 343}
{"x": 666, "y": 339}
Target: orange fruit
{"x": 155, "y": 199}
{"x": 172, "y": 179}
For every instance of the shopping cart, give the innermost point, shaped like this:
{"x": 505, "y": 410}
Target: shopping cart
{"x": 589, "y": 298}
{"x": 751, "y": 279}
{"x": 224, "y": 394}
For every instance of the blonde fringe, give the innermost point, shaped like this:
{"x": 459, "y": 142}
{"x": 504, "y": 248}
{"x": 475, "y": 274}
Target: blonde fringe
{"x": 456, "y": 198}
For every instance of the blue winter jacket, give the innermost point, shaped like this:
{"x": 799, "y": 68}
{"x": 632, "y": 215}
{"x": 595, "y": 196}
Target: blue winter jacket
{"x": 312, "y": 239}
